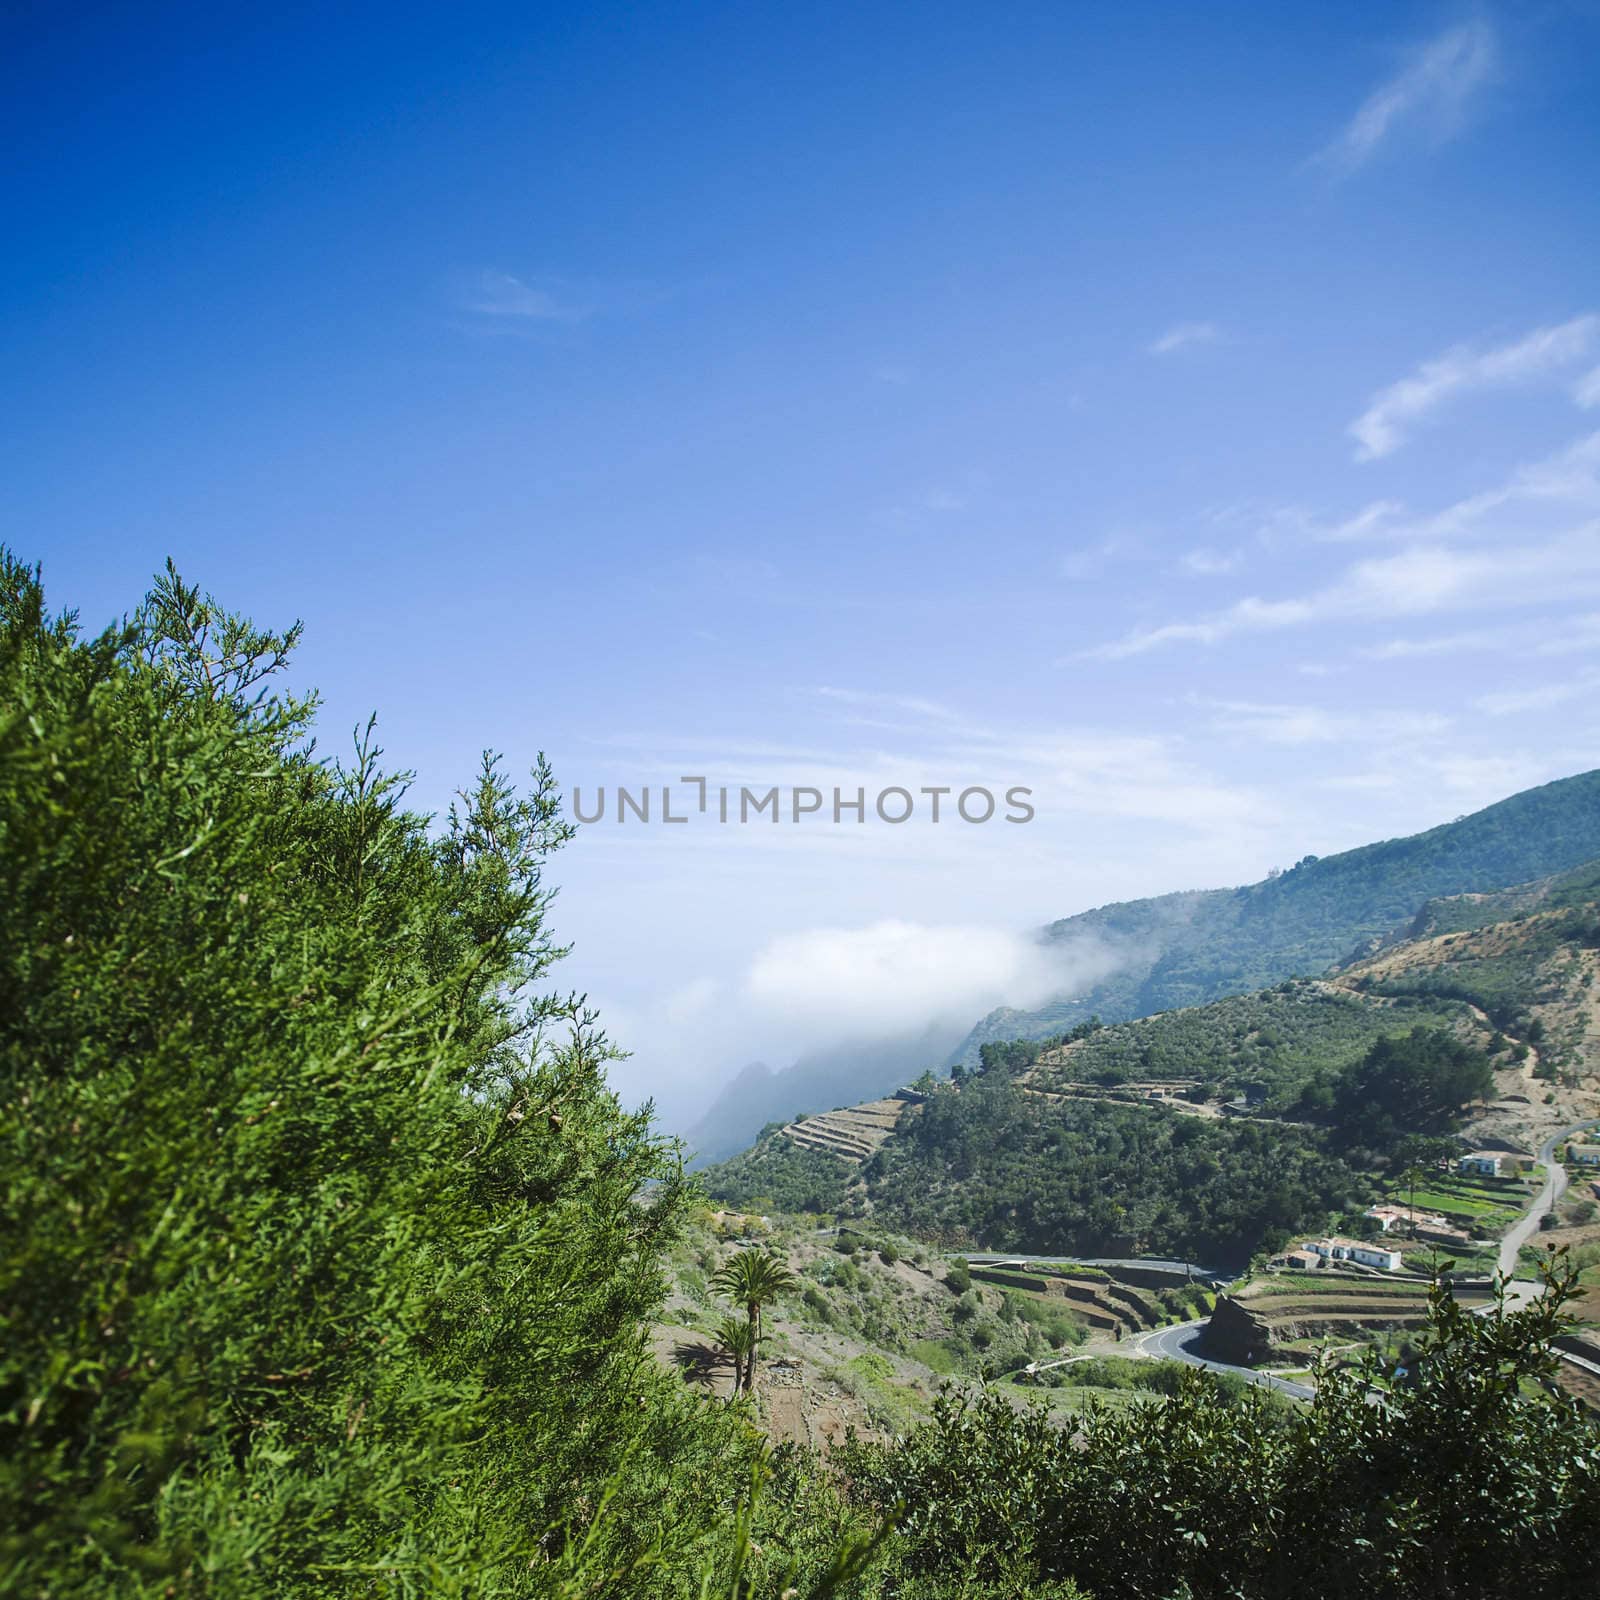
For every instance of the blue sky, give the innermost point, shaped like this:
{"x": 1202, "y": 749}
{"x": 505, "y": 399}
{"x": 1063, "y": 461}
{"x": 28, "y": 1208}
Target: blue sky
{"x": 1190, "y": 412}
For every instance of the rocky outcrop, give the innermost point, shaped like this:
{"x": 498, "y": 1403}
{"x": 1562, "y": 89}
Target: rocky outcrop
{"x": 1236, "y": 1334}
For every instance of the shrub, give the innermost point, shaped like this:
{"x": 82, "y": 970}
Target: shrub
{"x": 1223, "y": 1493}
{"x": 328, "y": 1252}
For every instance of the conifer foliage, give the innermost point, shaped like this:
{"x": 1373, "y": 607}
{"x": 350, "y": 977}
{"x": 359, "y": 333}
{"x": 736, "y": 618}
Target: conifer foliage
{"x": 327, "y": 1251}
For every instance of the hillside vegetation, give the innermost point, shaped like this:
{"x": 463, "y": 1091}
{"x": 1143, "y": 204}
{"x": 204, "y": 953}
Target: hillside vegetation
{"x": 994, "y": 1165}
{"x": 1266, "y": 1045}
{"x": 1532, "y": 977}
{"x": 1458, "y": 1485}
{"x": 1578, "y": 888}
{"x": 874, "y": 1323}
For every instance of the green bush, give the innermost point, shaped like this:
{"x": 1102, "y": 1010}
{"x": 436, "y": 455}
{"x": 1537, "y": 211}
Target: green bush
{"x": 1222, "y": 1493}
{"x": 328, "y": 1252}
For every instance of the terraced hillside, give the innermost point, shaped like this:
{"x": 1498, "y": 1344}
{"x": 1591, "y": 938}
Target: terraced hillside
{"x": 1272, "y": 1316}
{"x": 1581, "y": 1381}
{"x": 1209, "y": 1132}
{"x": 1094, "y": 1297}
{"x": 875, "y": 1322}
{"x": 854, "y": 1132}
{"x": 1462, "y": 913}
{"x": 1533, "y": 979}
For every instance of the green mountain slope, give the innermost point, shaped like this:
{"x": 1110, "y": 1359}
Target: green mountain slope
{"x": 1464, "y": 913}
{"x": 1265, "y": 1045}
{"x": 1185, "y": 949}
{"x": 1116, "y": 1141}
{"x": 1043, "y": 1153}
{"x": 996, "y": 1166}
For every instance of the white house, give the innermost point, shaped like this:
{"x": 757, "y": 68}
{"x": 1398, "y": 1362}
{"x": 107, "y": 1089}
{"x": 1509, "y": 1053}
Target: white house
{"x": 1485, "y": 1163}
{"x": 1584, "y": 1155}
{"x": 1368, "y": 1255}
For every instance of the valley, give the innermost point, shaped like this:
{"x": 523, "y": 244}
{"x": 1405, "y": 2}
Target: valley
{"x": 1418, "y": 1094}
{"x": 878, "y": 1323}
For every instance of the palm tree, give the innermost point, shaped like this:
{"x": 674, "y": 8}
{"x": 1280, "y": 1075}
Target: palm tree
{"x": 753, "y": 1278}
{"x": 734, "y": 1337}
{"x": 1413, "y": 1176}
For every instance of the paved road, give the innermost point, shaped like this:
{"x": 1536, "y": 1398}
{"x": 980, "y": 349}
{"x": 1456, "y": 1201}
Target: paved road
{"x": 1555, "y": 1184}
{"x": 990, "y": 1257}
{"x": 1178, "y": 1343}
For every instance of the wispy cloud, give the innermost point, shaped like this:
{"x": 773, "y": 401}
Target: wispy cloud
{"x": 1568, "y": 480}
{"x": 1182, "y": 335}
{"x": 1571, "y": 635}
{"x": 1547, "y": 489}
{"x": 1443, "y": 644}
{"x": 1381, "y": 429}
{"x": 1587, "y": 390}
{"x": 1206, "y": 563}
{"x": 1511, "y": 702}
{"x": 495, "y": 298}
{"x": 1090, "y": 560}
{"x": 1430, "y": 93}
{"x": 1420, "y": 580}
{"x": 491, "y": 293}
{"x": 1373, "y": 518}
{"x": 1302, "y": 725}
{"x": 902, "y": 704}
{"x": 1250, "y": 615}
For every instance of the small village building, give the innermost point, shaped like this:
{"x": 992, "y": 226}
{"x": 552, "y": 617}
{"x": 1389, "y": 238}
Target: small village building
{"x": 1481, "y": 1163}
{"x": 1424, "y": 1224}
{"x": 1584, "y": 1155}
{"x": 1357, "y": 1250}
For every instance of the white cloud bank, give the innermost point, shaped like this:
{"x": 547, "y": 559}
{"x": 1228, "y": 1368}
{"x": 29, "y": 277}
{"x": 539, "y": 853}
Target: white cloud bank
{"x": 893, "y": 977}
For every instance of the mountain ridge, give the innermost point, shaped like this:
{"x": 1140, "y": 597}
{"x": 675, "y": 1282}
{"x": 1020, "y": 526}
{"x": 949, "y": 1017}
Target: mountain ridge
{"x": 1194, "y": 946}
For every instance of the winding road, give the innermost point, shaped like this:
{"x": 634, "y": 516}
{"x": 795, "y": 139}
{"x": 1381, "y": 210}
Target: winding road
{"x": 1190, "y": 1269}
{"x": 1555, "y": 1184}
{"x": 1179, "y": 1342}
